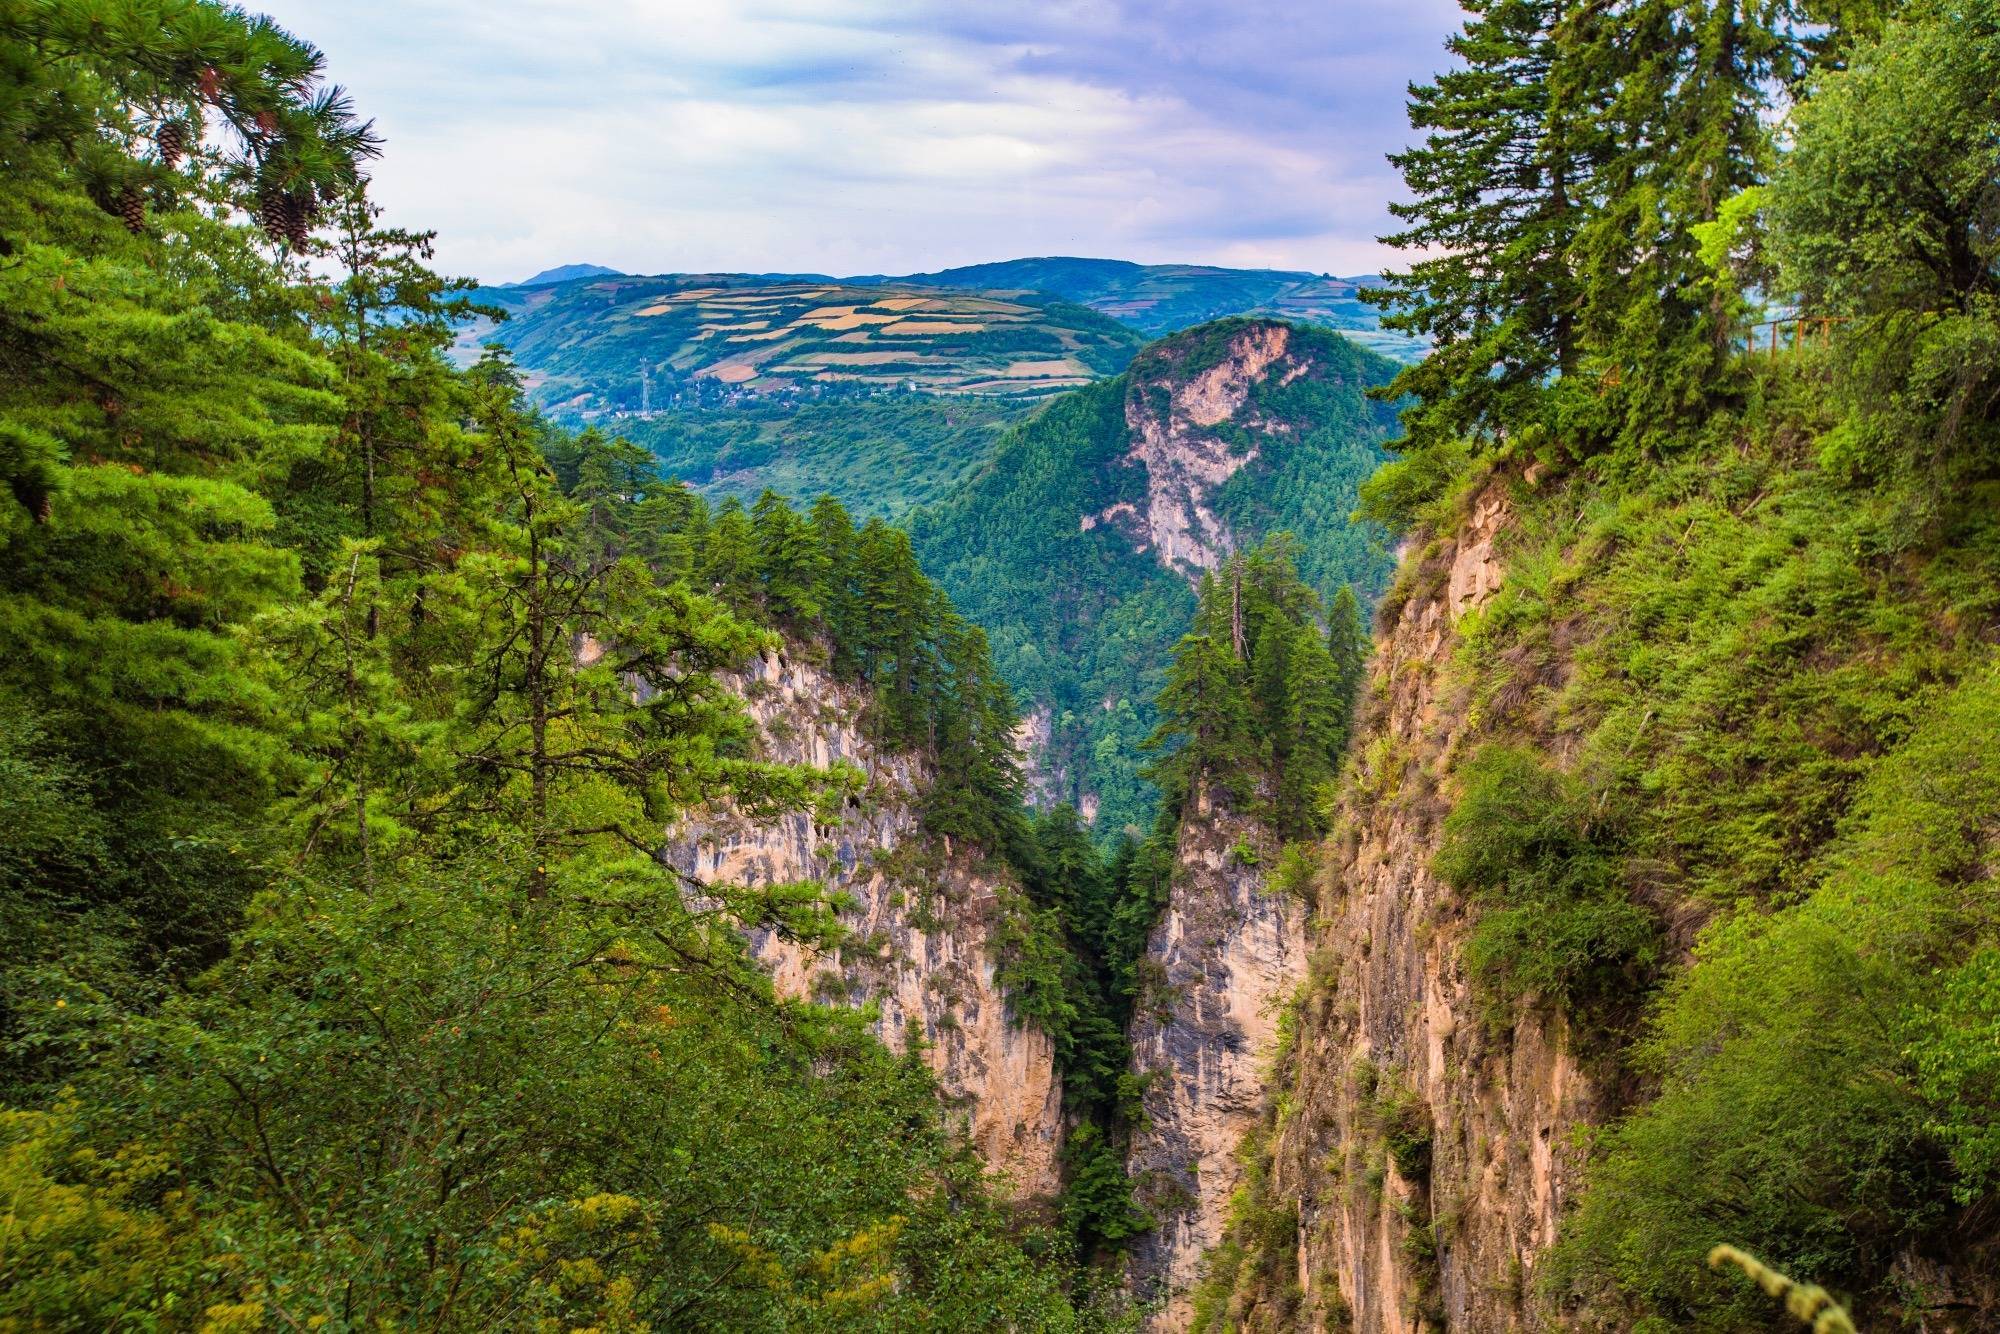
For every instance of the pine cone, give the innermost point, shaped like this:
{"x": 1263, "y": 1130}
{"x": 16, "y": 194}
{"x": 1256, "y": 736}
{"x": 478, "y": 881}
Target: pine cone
{"x": 172, "y": 139}
{"x": 299, "y": 213}
{"x": 271, "y": 213}
{"x": 132, "y": 208}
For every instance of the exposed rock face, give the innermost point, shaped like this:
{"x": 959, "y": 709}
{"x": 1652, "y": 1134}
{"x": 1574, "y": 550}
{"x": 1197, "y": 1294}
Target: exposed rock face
{"x": 1219, "y": 965}
{"x": 921, "y": 921}
{"x": 1172, "y": 420}
{"x": 1048, "y": 779}
{"x": 1389, "y": 1032}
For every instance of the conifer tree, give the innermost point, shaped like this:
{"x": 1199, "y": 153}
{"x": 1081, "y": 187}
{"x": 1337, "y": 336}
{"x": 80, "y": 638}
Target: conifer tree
{"x": 1201, "y": 706}
{"x": 1315, "y": 727}
{"x": 838, "y": 594}
{"x": 1347, "y": 641}
{"x": 1498, "y": 187}
{"x": 729, "y": 556}
{"x": 789, "y": 561}
{"x": 1684, "y": 93}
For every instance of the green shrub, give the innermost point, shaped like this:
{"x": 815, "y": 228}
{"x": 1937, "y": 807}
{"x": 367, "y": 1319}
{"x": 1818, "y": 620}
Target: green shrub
{"x": 1554, "y": 921}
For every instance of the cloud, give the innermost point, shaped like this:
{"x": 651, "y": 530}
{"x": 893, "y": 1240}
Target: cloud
{"x": 882, "y": 135}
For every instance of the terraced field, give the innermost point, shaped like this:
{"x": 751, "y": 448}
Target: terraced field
{"x": 1161, "y": 298}
{"x": 609, "y": 345}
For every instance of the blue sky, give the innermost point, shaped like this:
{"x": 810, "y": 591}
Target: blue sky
{"x": 853, "y": 136}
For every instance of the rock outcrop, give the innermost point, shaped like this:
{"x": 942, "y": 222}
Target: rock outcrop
{"x": 1173, "y": 418}
{"x": 1219, "y": 965}
{"x": 920, "y": 921}
{"x": 1427, "y": 1152}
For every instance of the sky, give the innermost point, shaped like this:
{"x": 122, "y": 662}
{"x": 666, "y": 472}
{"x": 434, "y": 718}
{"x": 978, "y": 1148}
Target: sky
{"x": 882, "y": 136}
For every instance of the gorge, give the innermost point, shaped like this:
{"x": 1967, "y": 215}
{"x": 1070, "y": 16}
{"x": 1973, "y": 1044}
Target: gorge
{"x": 1057, "y": 794}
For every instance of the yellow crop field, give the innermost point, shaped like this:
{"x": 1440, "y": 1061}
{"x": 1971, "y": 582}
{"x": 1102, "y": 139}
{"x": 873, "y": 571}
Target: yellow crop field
{"x": 932, "y": 327}
{"x": 851, "y": 320}
{"x": 1038, "y": 370}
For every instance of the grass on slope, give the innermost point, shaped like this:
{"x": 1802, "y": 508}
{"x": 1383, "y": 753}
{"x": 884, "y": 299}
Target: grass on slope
{"x": 1769, "y": 679}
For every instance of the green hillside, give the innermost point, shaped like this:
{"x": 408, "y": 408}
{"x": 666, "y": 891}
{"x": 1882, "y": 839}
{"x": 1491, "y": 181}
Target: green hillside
{"x": 885, "y": 391}
{"x": 616, "y": 345}
{"x": 881, "y": 456}
{"x": 1041, "y": 549}
{"x": 1163, "y": 298}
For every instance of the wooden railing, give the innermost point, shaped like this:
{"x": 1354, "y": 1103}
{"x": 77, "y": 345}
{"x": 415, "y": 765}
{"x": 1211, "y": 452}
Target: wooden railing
{"x": 1806, "y": 331}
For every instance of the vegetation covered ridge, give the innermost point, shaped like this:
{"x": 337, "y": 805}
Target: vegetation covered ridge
{"x": 1053, "y": 549}
{"x": 1720, "y": 801}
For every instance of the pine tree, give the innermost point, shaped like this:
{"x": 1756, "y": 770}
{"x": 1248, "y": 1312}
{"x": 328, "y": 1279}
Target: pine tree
{"x": 1498, "y": 199}
{"x": 838, "y": 593}
{"x": 1347, "y": 641}
{"x": 1202, "y": 707}
{"x": 1684, "y": 94}
{"x": 790, "y": 563}
{"x": 729, "y": 557}
{"x": 1315, "y": 725}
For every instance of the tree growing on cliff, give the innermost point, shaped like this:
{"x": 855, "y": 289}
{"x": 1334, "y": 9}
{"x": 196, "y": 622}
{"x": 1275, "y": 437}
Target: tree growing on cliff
{"x": 1498, "y": 190}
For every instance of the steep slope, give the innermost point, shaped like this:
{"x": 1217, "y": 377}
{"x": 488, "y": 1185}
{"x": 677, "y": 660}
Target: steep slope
{"x": 1667, "y": 833}
{"x": 1077, "y": 546}
{"x": 1420, "y": 1154}
{"x": 1219, "y": 965}
{"x": 921, "y": 921}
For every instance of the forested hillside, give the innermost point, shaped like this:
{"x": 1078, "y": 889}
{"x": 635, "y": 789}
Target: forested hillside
{"x": 344, "y": 706}
{"x": 1661, "y": 916}
{"x": 1077, "y": 547}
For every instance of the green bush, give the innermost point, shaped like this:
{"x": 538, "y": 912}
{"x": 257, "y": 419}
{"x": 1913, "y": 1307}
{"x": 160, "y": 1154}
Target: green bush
{"x": 1554, "y": 920}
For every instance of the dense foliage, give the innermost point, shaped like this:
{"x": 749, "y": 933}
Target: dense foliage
{"x": 881, "y": 456}
{"x": 1727, "y": 795}
{"x": 1081, "y": 623}
{"x": 343, "y": 702}
{"x": 1260, "y": 693}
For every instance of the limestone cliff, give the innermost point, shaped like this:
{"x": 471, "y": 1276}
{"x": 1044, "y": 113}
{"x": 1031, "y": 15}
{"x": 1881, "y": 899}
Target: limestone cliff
{"x": 1172, "y": 417}
{"x": 1425, "y": 1154}
{"x": 920, "y": 920}
{"x": 1219, "y": 964}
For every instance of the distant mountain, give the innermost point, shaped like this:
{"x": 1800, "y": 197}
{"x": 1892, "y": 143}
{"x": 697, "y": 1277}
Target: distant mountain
{"x": 886, "y": 390}
{"x": 1161, "y": 298}
{"x": 619, "y": 345}
{"x": 1156, "y": 299}
{"x": 563, "y": 273}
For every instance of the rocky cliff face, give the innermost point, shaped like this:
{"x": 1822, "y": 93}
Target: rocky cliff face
{"x": 920, "y": 922}
{"x": 1219, "y": 965}
{"x": 1172, "y": 419}
{"x": 1427, "y": 1153}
